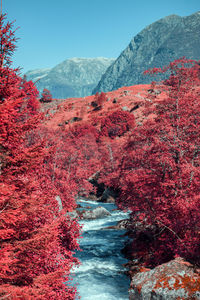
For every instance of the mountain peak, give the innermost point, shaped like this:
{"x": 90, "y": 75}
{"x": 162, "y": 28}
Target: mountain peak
{"x": 156, "y": 45}
{"x": 74, "y": 77}
{"x": 78, "y": 59}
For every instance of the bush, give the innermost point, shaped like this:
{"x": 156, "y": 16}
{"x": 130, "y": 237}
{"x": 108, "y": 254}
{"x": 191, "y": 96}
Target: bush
{"x": 117, "y": 123}
{"x": 46, "y": 96}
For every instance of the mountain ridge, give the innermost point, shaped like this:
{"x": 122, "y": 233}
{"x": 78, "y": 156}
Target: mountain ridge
{"x": 156, "y": 45}
{"x": 75, "y": 77}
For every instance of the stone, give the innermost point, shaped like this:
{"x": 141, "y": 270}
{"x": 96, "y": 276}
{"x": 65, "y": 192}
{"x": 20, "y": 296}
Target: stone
{"x": 94, "y": 104}
{"x": 59, "y": 202}
{"x": 154, "y": 91}
{"x": 73, "y": 214}
{"x": 121, "y": 225}
{"x": 97, "y": 108}
{"x": 92, "y": 197}
{"x": 126, "y": 92}
{"x": 125, "y": 108}
{"x": 108, "y": 196}
{"x": 110, "y": 199}
{"x": 96, "y": 213}
{"x": 176, "y": 279}
{"x": 134, "y": 107}
{"x": 75, "y": 119}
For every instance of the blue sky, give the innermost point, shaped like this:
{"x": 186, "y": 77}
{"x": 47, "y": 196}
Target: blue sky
{"x": 52, "y": 31}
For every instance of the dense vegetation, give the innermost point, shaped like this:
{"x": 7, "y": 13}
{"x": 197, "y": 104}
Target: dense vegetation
{"x": 37, "y": 239}
{"x": 152, "y": 165}
{"x": 157, "y": 170}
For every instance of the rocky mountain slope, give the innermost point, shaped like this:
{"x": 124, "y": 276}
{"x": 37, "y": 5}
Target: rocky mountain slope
{"x": 74, "y": 77}
{"x": 159, "y": 43}
{"x": 37, "y": 74}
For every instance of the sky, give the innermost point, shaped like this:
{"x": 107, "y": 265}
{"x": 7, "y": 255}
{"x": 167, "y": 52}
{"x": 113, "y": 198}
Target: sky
{"x": 52, "y": 31}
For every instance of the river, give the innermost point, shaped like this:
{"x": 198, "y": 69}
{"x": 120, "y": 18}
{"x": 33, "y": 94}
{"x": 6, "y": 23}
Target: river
{"x": 101, "y": 274}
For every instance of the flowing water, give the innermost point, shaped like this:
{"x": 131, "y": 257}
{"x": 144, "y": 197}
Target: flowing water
{"x": 101, "y": 274}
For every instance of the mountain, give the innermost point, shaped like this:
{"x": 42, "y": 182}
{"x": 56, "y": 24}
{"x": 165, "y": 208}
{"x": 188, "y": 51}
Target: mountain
{"x": 37, "y": 74}
{"x": 159, "y": 43}
{"x": 75, "y": 77}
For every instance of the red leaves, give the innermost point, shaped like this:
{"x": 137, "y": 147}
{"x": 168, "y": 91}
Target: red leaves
{"x": 46, "y": 96}
{"x": 100, "y": 98}
{"x": 117, "y": 123}
{"x": 31, "y": 96}
{"x": 74, "y": 160}
{"x": 36, "y": 240}
{"x": 158, "y": 169}
{"x": 7, "y": 42}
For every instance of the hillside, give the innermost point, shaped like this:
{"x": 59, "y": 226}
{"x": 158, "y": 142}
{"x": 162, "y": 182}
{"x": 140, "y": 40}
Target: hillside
{"x": 156, "y": 45}
{"x": 132, "y": 98}
{"x": 75, "y": 77}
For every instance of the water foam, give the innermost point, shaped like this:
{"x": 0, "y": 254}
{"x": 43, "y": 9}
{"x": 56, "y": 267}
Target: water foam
{"x": 101, "y": 275}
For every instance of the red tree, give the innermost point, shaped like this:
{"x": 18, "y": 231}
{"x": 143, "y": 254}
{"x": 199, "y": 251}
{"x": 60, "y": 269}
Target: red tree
{"x": 117, "y": 123}
{"x": 100, "y": 98}
{"x": 158, "y": 169}
{"x": 36, "y": 239}
{"x": 32, "y": 96}
{"x": 46, "y": 96}
{"x": 75, "y": 159}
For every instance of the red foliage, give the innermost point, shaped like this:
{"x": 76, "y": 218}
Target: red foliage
{"x": 154, "y": 168}
{"x": 117, "y": 123}
{"x": 7, "y": 42}
{"x": 85, "y": 129}
{"x": 36, "y": 239}
{"x": 46, "y": 96}
{"x": 100, "y": 98}
{"x": 31, "y": 95}
{"x": 74, "y": 160}
{"x": 158, "y": 169}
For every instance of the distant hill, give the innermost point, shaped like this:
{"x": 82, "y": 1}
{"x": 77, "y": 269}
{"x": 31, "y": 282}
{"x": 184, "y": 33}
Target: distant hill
{"x": 75, "y": 77}
{"x": 159, "y": 43}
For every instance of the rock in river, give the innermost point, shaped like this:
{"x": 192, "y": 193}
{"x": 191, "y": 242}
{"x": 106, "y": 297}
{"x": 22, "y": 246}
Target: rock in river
{"x": 96, "y": 213}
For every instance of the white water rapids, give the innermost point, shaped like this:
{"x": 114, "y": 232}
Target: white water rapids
{"x": 101, "y": 274}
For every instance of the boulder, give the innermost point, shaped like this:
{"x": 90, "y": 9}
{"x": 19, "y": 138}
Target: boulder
{"x": 125, "y": 108}
{"x": 108, "y": 196}
{"x": 96, "y": 213}
{"x": 59, "y": 202}
{"x": 73, "y": 214}
{"x": 121, "y": 225}
{"x": 110, "y": 199}
{"x": 176, "y": 279}
{"x": 92, "y": 197}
